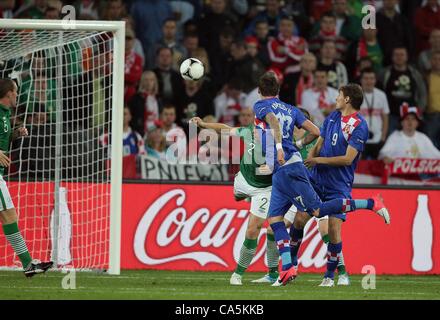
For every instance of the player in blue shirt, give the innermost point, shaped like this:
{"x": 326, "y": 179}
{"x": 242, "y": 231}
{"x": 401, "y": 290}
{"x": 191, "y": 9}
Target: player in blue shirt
{"x": 290, "y": 180}
{"x": 333, "y": 160}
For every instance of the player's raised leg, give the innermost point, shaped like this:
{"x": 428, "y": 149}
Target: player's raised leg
{"x": 344, "y": 205}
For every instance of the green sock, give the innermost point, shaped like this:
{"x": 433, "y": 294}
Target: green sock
{"x": 326, "y": 238}
{"x": 17, "y": 242}
{"x": 247, "y": 253}
{"x": 272, "y": 256}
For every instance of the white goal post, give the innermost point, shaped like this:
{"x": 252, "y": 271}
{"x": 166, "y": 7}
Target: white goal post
{"x": 66, "y": 177}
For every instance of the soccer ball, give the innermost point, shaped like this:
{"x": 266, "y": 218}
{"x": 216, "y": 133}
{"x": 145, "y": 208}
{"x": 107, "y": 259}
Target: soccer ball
{"x": 192, "y": 69}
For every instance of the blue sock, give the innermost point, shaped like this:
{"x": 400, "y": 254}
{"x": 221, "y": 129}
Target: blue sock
{"x": 296, "y": 236}
{"x": 364, "y": 204}
{"x": 283, "y": 242}
{"x": 333, "y": 254}
{"x": 344, "y": 205}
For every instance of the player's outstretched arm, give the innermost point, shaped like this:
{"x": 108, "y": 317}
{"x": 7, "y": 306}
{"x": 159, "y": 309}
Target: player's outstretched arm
{"x": 339, "y": 161}
{"x": 218, "y": 127}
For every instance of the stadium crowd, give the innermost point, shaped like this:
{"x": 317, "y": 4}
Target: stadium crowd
{"x": 313, "y": 46}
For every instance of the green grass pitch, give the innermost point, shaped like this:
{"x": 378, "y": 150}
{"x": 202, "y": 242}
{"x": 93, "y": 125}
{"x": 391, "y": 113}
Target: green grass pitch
{"x": 180, "y": 285}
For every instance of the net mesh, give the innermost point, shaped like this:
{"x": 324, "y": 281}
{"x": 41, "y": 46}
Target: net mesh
{"x": 65, "y": 91}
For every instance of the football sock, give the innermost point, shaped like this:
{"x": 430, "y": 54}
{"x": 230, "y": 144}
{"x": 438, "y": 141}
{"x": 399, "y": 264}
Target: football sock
{"x": 344, "y": 205}
{"x": 272, "y": 256}
{"x": 247, "y": 253}
{"x": 333, "y": 254}
{"x": 17, "y": 242}
{"x": 364, "y": 204}
{"x": 283, "y": 242}
{"x": 296, "y": 236}
{"x": 341, "y": 264}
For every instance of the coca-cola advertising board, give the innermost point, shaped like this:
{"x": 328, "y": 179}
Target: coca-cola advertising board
{"x": 202, "y": 227}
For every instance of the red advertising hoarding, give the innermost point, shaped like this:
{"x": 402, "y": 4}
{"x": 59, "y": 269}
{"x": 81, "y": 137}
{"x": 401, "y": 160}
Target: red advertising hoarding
{"x": 200, "y": 227}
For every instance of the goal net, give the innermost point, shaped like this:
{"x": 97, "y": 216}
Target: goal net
{"x": 65, "y": 176}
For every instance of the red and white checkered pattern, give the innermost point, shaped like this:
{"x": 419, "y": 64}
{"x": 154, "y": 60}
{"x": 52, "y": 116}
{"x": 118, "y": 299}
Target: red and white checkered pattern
{"x": 348, "y": 124}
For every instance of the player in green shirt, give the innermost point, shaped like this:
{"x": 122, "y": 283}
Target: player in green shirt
{"x": 8, "y": 214}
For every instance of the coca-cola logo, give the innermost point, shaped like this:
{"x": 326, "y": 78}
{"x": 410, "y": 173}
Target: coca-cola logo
{"x": 209, "y": 244}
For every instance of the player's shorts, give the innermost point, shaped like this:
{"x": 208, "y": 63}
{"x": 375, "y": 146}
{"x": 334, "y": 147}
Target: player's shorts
{"x": 5, "y": 197}
{"x": 327, "y": 194}
{"x": 291, "y": 185}
{"x": 260, "y": 197}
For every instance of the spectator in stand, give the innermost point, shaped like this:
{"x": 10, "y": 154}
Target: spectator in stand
{"x": 393, "y": 30}
{"x": 229, "y": 103}
{"x": 172, "y": 133}
{"x": 245, "y": 69}
{"x": 87, "y": 9}
{"x": 53, "y": 11}
{"x": 336, "y": 70}
{"x": 169, "y": 40}
{"x": 133, "y": 144}
{"x": 348, "y": 26}
{"x": 36, "y": 11}
{"x": 321, "y": 99}
{"x": 408, "y": 142}
{"x": 368, "y": 46}
{"x": 170, "y": 81}
{"x": 426, "y": 20}
{"x": 133, "y": 66}
{"x": 144, "y": 105}
{"x": 328, "y": 32}
{"x": 212, "y": 22}
{"x": 296, "y": 83}
{"x": 6, "y": 9}
{"x": 317, "y": 8}
{"x": 221, "y": 60}
{"x": 402, "y": 83}
{"x": 197, "y": 101}
{"x": 424, "y": 62}
{"x": 113, "y": 10}
{"x": 190, "y": 44}
{"x": 286, "y": 50}
{"x": 272, "y": 15}
{"x": 296, "y": 9}
{"x": 262, "y": 35}
{"x": 183, "y": 11}
{"x": 149, "y": 17}
{"x": 137, "y": 46}
{"x": 432, "y": 126}
{"x": 156, "y": 144}
{"x": 376, "y": 111}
